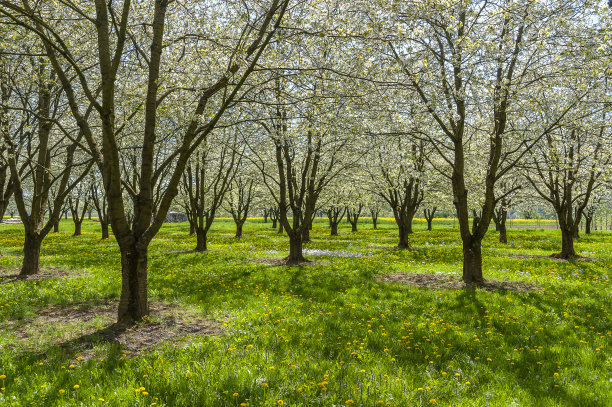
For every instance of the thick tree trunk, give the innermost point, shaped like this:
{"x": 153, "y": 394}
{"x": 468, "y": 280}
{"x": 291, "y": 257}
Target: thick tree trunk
{"x": 56, "y": 227}
{"x": 567, "y": 244}
{"x": 306, "y": 234}
{"x": 239, "y": 229}
{"x": 191, "y": 228}
{"x": 3, "y": 206}
{"x": 576, "y": 233}
{"x": 200, "y": 240}
{"x": 280, "y": 228}
{"x": 104, "y": 226}
{"x": 334, "y": 229}
{"x": 472, "y": 261}
{"x": 133, "y": 304}
{"x": 353, "y": 227}
{"x": 77, "y": 229}
{"x": 31, "y": 254}
{"x": 409, "y": 225}
{"x": 295, "y": 249}
{"x": 404, "y": 239}
{"x": 429, "y": 224}
{"x": 274, "y": 225}
{"x": 375, "y": 222}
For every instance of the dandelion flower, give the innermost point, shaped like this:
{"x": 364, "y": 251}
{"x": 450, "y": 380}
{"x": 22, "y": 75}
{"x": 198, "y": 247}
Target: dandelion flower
{"x": 76, "y": 387}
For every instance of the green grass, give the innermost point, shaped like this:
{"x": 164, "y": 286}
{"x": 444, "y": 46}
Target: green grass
{"x": 324, "y": 334}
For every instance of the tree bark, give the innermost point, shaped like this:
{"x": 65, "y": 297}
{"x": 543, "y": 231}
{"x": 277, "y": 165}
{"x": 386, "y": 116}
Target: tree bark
{"x": 104, "y": 226}
{"x": 77, "y": 228}
{"x": 295, "y": 249}
{"x": 334, "y": 229}
{"x": 191, "y": 228}
{"x": 200, "y": 239}
{"x": 404, "y": 239}
{"x": 429, "y": 224}
{"x": 567, "y": 244}
{"x": 56, "y": 227}
{"x": 472, "y": 262}
{"x": 31, "y": 254}
{"x": 306, "y": 234}
{"x": 239, "y": 229}
{"x": 503, "y": 236}
{"x": 280, "y": 228}
{"x": 274, "y": 225}
{"x": 133, "y": 305}
{"x": 587, "y": 226}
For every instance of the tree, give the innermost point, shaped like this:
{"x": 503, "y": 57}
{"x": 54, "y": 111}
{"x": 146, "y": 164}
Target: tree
{"x": 230, "y": 62}
{"x": 240, "y": 199}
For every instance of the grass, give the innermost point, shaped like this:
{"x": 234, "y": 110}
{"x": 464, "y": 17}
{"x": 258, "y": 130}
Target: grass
{"x": 321, "y": 335}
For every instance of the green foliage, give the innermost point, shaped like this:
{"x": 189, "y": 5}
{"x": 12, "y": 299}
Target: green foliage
{"x": 326, "y": 334}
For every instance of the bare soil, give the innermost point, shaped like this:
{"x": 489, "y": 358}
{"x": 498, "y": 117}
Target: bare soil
{"x": 446, "y": 281}
{"x": 78, "y": 328}
{"x": 12, "y": 275}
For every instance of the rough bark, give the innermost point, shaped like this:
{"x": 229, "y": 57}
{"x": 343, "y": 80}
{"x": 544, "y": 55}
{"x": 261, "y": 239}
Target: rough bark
{"x": 429, "y": 215}
{"x": 201, "y": 239}
{"x": 104, "y": 226}
{"x": 56, "y": 227}
{"x": 31, "y": 254}
{"x": 239, "y": 229}
{"x": 295, "y": 249}
{"x": 472, "y": 262}
{"x": 133, "y": 304}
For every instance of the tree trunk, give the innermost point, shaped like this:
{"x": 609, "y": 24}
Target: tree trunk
{"x": 133, "y": 304}
{"x": 239, "y": 229}
{"x": 295, "y": 249}
{"x": 375, "y": 222}
{"x": 567, "y": 244}
{"x": 353, "y": 227}
{"x": 472, "y": 261}
{"x": 191, "y": 228}
{"x": 104, "y": 225}
{"x": 56, "y": 227}
{"x": 274, "y": 223}
{"x": 305, "y": 234}
{"x": 587, "y": 226}
{"x": 429, "y": 224}
{"x": 334, "y": 229}
{"x": 409, "y": 225}
{"x": 404, "y": 239}
{"x": 77, "y": 229}
{"x": 503, "y": 236}
{"x": 31, "y": 254}
{"x": 200, "y": 240}
{"x": 280, "y": 228}
{"x": 3, "y": 206}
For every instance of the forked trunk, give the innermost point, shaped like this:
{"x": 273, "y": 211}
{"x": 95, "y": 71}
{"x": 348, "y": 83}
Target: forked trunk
{"x": 200, "y": 240}
{"x": 31, "y": 254}
{"x": 295, "y": 249}
{"x": 104, "y": 225}
{"x": 409, "y": 224}
{"x": 133, "y": 304}
{"x": 472, "y": 262}
{"x": 77, "y": 229}
{"x": 239, "y": 230}
{"x": 353, "y": 227}
{"x": 334, "y": 229}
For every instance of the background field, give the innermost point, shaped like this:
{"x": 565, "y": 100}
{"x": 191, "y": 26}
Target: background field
{"x": 325, "y": 334}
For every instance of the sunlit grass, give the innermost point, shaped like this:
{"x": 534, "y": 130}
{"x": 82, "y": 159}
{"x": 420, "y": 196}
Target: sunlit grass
{"x": 326, "y": 334}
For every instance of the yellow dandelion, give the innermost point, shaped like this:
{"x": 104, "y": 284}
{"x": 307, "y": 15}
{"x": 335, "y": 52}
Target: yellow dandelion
{"x": 76, "y": 387}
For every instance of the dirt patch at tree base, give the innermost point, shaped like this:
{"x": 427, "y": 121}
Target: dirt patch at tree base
{"x": 446, "y": 281}
{"x": 78, "y": 328}
{"x": 12, "y": 275}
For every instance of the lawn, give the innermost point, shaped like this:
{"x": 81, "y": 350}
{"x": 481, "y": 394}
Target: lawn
{"x": 330, "y": 333}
